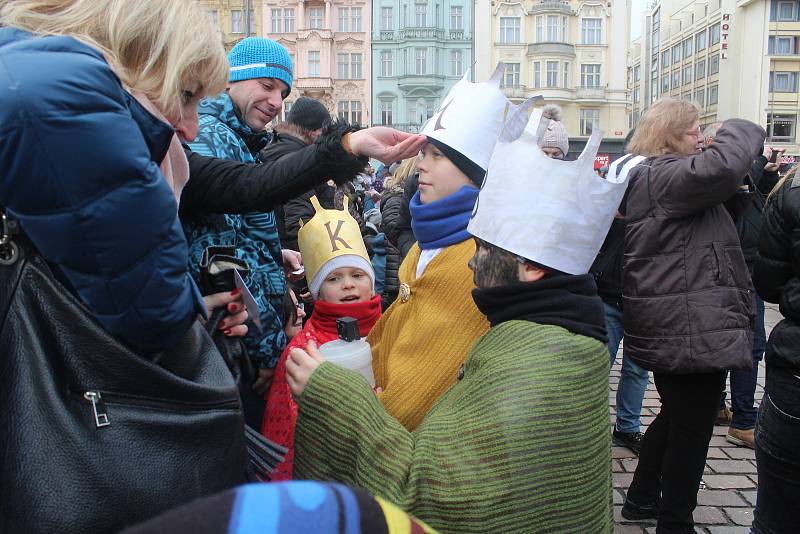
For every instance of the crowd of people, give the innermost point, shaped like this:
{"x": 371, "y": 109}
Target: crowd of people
{"x": 145, "y": 171}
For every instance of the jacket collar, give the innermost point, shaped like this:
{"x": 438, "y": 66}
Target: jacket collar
{"x": 223, "y": 109}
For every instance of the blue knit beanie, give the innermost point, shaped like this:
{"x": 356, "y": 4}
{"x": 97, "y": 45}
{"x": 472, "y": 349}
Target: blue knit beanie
{"x": 257, "y": 57}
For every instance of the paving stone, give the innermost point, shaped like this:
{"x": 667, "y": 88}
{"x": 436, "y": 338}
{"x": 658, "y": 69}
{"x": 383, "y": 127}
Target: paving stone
{"x": 621, "y": 452}
{"x": 731, "y": 466}
{"x": 651, "y": 402}
{"x": 709, "y": 515}
{"x": 616, "y": 467}
{"x": 629, "y": 464}
{"x": 728, "y": 482}
{"x": 720, "y": 498}
{"x": 628, "y": 528}
{"x": 720, "y": 430}
{"x": 728, "y": 530}
{"x": 717, "y": 452}
{"x": 749, "y": 496}
{"x": 718, "y": 441}
{"x": 740, "y": 516}
{"x": 622, "y": 480}
{"x": 619, "y": 498}
{"x": 741, "y": 453}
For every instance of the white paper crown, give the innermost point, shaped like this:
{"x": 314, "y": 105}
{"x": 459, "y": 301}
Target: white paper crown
{"x": 555, "y": 213}
{"x": 470, "y": 114}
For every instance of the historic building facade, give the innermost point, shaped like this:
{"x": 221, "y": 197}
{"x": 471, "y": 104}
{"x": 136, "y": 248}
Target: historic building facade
{"x": 234, "y": 19}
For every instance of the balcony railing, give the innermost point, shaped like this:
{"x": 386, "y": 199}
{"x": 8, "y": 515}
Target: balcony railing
{"x": 457, "y": 35}
{"x": 313, "y": 82}
{"x": 514, "y": 91}
{"x": 552, "y": 6}
{"x": 421, "y": 33}
{"x": 386, "y": 35}
{"x": 567, "y": 49}
{"x": 590, "y": 93}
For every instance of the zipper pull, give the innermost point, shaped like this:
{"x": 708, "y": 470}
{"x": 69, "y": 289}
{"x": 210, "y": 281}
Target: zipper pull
{"x": 99, "y": 408}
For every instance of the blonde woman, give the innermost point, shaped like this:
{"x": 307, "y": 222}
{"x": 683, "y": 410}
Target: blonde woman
{"x": 686, "y": 293}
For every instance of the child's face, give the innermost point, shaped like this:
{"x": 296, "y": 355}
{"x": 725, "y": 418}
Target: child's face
{"x": 438, "y": 176}
{"x": 345, "y": 285}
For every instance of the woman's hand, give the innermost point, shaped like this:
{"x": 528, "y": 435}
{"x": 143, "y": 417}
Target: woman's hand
{"x": 292, "y": 264}
{"x": 385, "y": 144}
{"x": 300, "y": 365}
{"x": 232, "y": 325}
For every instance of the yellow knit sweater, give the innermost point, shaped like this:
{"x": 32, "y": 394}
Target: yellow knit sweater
{"x": 419, "y": 345}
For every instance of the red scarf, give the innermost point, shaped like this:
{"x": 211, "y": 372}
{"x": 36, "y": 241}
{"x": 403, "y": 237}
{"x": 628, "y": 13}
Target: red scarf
{"x": 281, "y": 413}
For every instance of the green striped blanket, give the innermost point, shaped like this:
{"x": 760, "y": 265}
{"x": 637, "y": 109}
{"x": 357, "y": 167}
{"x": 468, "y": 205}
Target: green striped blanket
{"x": 520, "y": 444}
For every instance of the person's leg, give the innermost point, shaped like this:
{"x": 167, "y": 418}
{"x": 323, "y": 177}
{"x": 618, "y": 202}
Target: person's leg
{"x": 630, "y": 395}
{"x": 694, "y": 400}
{"x": 743, "y": 385}
{"x": 614, "y": 329}
{"x": 777, "y": 460}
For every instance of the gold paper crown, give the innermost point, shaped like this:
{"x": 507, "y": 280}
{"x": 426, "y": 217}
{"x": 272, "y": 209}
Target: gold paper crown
{"x": 329, "y": 234}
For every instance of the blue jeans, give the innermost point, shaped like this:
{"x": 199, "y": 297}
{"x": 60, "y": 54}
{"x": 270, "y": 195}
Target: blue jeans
{"x": 743, "y": 383}
{"x": 633, "y": 380}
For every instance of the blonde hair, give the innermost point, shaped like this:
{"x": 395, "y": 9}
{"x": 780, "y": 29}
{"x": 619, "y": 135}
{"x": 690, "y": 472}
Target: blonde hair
{"x": 159, "y": 47}
{"x": 401, "y": 174}
{"x": 663, "y": 126}
{"x": 788, "y": 176}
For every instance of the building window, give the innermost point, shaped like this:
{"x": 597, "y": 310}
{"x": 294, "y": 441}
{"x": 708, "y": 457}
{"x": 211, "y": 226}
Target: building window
{"x": 251, "y": 22}
{"x": 540, "y": 29}
{"x": 700, "y": 70}
{"x": 537, "y": 74}
{"x": 552, "y": 28}
{"x": 213, "y": 17}
{"x": 687, "y": 74}
{"x": 590, "y": 75}
{"x": 676, "y": 79}
{"x": 637, "y": 73}
{"x": 786, "y": 11}
{"x": 509, "y": 30}
{"x": 783, "y": 82}
{"x": 387, "y": 111}
{"x": 591, "y": 31}
{"x": 511, "y": 76}
{"x": 355, "y": 112}
{"x": 552, "y": 74}
{"x": 665, "y": 59}
{"x": 313, "y": 63}
{"x": 665, "y": 84}
{"x": 566, "y": 74}
{"x": 456, "y": 17}
{"x": 700, "y": 97}
{"x": 419, "y": 15}
{"x": 421, "y": 63}
{"x": 316, "y": 17}
{"x": 713, "y": 95}
{"x": 344, "y": 110}
{"x": 713, "y": 66}
{"x": 342, "y": 66}
{"x": 277, "y": 20}
{"x": 387, "y": 24}
{"x": 590, "y": 120}
{"x": 700, "y": 41}
{"x": 714, "y": 34}
{"x": 236, "y": 21}
{"x": 288, "y": 20}
{"x": 387, "y": 64}
{"x": 355, "y": 67}
{"x": 688, "y": 47}
{"x": 676, "y": 54}
{"x": 780, "y": 127}
{"x": 636, "y": 95}
{"x": 355, "y": 20}
{"x": 782, "y": 46}
{"x": 457, "y": 63}
{"x": 344, "y": 18}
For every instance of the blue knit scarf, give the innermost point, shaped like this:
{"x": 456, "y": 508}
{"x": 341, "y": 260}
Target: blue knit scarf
{"x": 444, "y": 222}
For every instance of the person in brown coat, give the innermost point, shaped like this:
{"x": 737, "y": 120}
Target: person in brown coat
{"x": 687, "y": 295}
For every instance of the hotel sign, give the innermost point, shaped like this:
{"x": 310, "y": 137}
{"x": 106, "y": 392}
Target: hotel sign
{"x": 726, "y": 32}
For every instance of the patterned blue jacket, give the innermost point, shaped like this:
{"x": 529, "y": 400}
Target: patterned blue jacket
{"x": 255, "y": 235}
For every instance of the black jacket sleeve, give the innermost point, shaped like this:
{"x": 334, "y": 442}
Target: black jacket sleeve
{"x": 401, "y": 234}
{"x": 296, "y": 209}
{"x": 223, "y": 186}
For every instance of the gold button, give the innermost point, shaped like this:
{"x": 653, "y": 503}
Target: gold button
{"x": 405, "y": 292}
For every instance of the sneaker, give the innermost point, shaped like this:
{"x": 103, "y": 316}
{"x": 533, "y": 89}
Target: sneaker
{"x": 723, "y": 417}
{"x": 636, "y": 512}
{"x": 629, "y": 440}
{"x": 742, "y": 438}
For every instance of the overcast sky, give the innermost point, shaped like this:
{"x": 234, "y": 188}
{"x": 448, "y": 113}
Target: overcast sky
{"x": 637, "y": 6}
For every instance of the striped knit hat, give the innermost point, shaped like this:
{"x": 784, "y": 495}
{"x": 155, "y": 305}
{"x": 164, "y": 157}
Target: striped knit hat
{"x": 257, "y": 57}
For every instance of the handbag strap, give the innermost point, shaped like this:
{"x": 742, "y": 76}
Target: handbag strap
{"x": 9, "y": 250}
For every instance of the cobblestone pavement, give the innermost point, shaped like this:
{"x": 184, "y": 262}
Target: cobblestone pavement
{"x": 725, "y": 505}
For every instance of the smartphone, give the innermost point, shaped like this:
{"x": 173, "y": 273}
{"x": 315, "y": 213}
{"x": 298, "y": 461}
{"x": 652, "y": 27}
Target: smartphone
{"x": 774, "y": 157}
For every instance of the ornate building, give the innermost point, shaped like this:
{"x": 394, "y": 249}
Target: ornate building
{"x": 329, "y": 44}
{"x": 420, "y": 48}
{"x": 235, "y": 19}
{"x": 573, "y": 52}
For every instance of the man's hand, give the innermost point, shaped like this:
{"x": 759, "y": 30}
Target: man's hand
{"x": 300, "y": 365}
{"x": 263, "y": 382}
{"x": 768, "y": 152}
{"x": 292, "y": 262}
{"x": 386, "y": 144}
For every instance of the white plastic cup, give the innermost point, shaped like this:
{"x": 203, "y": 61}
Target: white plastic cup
{"x": 353, "y": 355}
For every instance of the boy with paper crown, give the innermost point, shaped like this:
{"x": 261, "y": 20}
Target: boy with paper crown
{"x": 423, "y": 338}
{"x": 521, "y": 442}
{"x": 342, "y": 283}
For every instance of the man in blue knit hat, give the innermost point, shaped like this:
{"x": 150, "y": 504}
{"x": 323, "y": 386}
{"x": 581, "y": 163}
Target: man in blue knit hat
{"x": 231, "y": 126}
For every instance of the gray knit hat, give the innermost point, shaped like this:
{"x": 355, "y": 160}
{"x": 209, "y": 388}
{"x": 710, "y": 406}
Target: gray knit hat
{"x": 308, "y": 113}
{"x": 556, "y": 134}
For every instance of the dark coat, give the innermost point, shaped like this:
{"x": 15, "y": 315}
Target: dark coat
{"x": 397, "y": 220}
{"x": 777, "y": 273}
{"x": 391, "y": 204}
{"x": 686, "y": 290}
{"x": 749, "y": 224}
{"x": 79, "y": 171}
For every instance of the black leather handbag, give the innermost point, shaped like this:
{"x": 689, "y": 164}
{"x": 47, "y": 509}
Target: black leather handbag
{"x": 93, "y": 436}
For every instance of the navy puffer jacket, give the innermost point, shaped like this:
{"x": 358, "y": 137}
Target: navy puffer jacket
{"x": 79, "y": 170}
